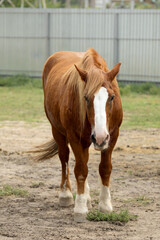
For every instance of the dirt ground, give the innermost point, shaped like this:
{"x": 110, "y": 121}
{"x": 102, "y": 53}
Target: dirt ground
{"x": 135, "y": 185}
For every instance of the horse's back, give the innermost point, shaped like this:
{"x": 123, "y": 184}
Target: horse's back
{"x": 59, "y": 63}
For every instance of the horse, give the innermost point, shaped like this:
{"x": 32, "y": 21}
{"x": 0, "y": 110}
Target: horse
{"x": 82, "y": 103}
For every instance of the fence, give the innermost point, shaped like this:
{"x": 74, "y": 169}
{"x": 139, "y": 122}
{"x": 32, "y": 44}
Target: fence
{"x": 29, "y": 36}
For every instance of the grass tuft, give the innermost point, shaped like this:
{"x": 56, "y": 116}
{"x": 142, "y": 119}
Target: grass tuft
{"x": 141, "y": 200}
{"x": 74, "y": 196}
{"x": 7, "y": 190}
{"x": 37, "y": 185}
{"x": 124, "y": 216}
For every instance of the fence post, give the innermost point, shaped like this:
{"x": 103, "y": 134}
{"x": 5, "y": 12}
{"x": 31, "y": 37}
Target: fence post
{"x": 116, "y": 39}
{"x": 47, "y": 35}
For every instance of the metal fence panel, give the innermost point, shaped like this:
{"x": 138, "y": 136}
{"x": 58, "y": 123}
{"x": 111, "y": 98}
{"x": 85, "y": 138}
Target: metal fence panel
{"x": 29, "y": 36}
{"x": 139, "y": 45}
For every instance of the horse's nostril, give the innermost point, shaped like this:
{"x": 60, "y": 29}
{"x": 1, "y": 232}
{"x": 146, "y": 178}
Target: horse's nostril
{"x": 93, "y": 138}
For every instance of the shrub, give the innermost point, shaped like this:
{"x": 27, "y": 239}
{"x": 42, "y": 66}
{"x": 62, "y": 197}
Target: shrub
{"x": 124, "y": 216}
{"x": 20, "y": 80}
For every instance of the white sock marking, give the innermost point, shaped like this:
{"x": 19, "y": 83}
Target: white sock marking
{"x": 81, "y": 200}
{"x": 105, "y": 204}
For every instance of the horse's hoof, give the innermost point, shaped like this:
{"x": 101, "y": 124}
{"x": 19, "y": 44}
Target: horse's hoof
{"x": 80, "y": 217}
{"x": 105, "y": 208}
{"x": 66, "y": 202}
{"x": 66, "y": 199}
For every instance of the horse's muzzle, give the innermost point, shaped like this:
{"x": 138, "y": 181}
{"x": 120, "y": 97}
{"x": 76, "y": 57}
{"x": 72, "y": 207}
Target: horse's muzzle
{"x": 100, "y": 146}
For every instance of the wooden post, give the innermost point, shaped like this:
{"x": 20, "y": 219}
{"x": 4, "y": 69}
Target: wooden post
{"x": 132, "y": 4}
{"x": 92, "y": 3}
{"x": 67, "y": 5}
{"x": 86, "y": 3}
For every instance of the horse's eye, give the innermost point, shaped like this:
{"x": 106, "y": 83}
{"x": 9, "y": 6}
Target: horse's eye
{"x": 112, "y": 97}
{"x": 87, "y": 100}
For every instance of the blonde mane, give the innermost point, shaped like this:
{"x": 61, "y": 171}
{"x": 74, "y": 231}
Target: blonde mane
{"x": 95, "y": 65}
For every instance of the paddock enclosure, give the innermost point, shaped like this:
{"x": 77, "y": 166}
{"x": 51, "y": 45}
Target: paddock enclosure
{"x": 27, "y": 38}
{"x": 135, "y": 183}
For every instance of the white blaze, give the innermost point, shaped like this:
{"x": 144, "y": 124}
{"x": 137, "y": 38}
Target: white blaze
{"x": 100, "y": 100}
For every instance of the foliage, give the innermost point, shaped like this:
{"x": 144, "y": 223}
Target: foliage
{"x": 124, "y": 216}
{"x": 143, "y": 88}
{"x": 38, "y": 3}
{"x": 78, "y": 3}
{"x": 20, "y": 80}
{"x": 143, "y": 5}
{"x": 138, "y": 5}
{"x": 7, "y": 190}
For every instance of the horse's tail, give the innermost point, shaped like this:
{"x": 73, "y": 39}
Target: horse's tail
{"x": 45, "y": 151}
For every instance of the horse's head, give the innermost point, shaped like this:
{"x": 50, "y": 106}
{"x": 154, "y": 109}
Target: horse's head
{"x": 100, "y": 102}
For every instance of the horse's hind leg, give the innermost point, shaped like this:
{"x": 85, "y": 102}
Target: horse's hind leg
{"x": 65, "y": 195}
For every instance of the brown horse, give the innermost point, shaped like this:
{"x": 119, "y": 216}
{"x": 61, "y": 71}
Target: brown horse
{"x": 82, "y": 103}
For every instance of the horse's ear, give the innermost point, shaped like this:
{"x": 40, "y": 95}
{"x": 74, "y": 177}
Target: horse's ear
{"x": 113, "y": 73}
{"x": 82, "y": 73}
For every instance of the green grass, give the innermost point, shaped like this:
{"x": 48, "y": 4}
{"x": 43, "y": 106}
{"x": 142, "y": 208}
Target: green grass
{"x": 124, "y": 216}
{"x": 21, "y": 99}
{"x": 141, "y": 106}
{"x": 8, "y": 190}
{"x": 141, "y": 111}
{"x": 21, "y": 104}
{"x": 74, "y": 196}
{"x": 140, "y": 200}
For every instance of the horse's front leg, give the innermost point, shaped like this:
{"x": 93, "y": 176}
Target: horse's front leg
{"x": 105, "y": 169}
{"x": 81, "y": 171}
